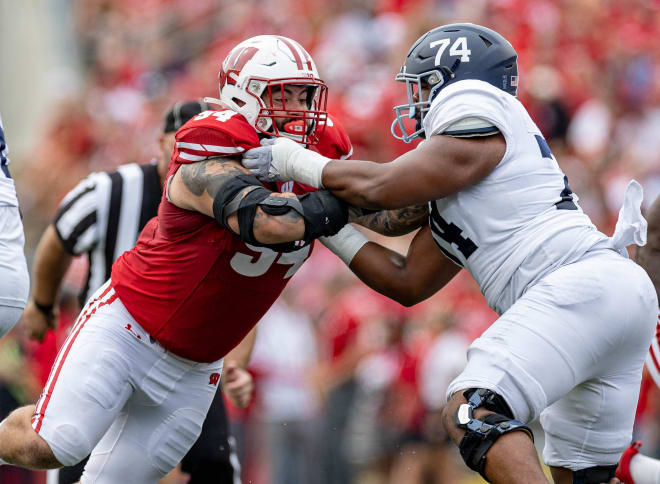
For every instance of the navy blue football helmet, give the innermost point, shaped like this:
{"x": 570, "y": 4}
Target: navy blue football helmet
{"x": 449, "y": 54}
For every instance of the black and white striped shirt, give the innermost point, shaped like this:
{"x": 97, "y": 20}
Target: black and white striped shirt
{"x": 104, "y": 215}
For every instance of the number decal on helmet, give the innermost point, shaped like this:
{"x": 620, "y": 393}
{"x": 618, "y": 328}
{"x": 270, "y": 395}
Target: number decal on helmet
{"x": 459, "y": 47}
{"x": 443, "y": 43}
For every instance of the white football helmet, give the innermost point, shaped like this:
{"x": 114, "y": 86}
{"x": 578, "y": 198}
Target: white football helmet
{"x": 262, "y": 65}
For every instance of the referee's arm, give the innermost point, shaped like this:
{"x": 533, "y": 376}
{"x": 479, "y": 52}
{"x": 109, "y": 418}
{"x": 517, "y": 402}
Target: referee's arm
{"x": 72, "y": 232}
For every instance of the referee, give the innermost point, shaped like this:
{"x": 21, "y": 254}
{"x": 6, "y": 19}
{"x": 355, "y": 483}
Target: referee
{"x": 103, "y": 217}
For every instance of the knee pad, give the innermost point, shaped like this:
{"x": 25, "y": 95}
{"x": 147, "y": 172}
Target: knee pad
{"x": 594, "y": 475}
{"x": 481, "y": 434}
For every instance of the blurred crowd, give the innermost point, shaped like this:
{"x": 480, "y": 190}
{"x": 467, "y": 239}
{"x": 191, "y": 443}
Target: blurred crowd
{"x": 349, "y": 384}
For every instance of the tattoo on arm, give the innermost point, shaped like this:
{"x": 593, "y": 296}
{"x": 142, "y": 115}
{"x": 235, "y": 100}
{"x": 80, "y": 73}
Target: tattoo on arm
{"x": 392, "y": 222}
{"x": 210, "y": 175}
{"x": 262, "y": 219}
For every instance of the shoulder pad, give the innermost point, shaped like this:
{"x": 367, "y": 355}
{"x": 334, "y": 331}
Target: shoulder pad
{"x": 214, "y": 133}
{"x": 334, "y": 142}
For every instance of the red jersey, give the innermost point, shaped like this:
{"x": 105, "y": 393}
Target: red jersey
{"x": 192, "y": 284}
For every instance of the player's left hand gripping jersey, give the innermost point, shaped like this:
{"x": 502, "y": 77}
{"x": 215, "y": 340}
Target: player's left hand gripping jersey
{"x": 522, "y": 220}
{"x": 193, "y": 285}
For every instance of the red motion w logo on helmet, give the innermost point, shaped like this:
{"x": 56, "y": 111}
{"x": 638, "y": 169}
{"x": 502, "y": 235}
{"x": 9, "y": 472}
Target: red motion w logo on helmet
{"x": 234, "y": 64}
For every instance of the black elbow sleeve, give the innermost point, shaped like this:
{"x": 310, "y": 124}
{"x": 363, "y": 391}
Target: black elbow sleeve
{"x": 323, "y": 213}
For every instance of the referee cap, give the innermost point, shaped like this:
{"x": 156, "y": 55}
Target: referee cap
{"x": 181, "y": 112}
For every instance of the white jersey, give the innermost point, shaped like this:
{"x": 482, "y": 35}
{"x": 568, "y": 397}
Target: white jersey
{"x": 7, "y": 189}
{"x": 521, "y": 221}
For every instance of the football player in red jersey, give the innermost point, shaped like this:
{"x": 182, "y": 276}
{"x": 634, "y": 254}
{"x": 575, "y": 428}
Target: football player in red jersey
{"x": 136, "y": 376}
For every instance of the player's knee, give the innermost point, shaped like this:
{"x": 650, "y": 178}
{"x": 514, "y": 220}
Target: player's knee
{"x": 476, "y": 435}
{"x": 21, "y": 445}
{"x": 71, "y": 445}
{"x": 40, "y": 454}
{"x": 448, "y": 413}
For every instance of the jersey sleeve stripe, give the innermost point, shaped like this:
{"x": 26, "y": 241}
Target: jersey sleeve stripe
{"x": 472, "y": 131}
{"x": 192, "y": 146}
{"x": 185, "y": 156}
{"x": 347, "y": 155}
{"x": 223, "y": 149}
{"x": 210, "y": 148}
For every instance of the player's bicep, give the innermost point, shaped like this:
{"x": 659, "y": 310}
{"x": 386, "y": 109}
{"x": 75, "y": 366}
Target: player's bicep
{"x": 195, "y": 185}
{"x": 437, "y": 168}
{"x": 221, "y": 188}
{"x": 444, "y": 165}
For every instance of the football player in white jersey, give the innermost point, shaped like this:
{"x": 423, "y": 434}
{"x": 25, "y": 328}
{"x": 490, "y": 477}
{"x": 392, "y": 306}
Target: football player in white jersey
{"x": 577, "y": 316}
{"x": 14, "y": 279}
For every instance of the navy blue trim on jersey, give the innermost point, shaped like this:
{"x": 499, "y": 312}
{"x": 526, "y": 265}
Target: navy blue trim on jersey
{"x": 566, "y": 202}
{"x": 5, "y": 170}
{"x": 543, "y": 146}
{"x": 452, "y": 234}
{"x": 476, "y": 131}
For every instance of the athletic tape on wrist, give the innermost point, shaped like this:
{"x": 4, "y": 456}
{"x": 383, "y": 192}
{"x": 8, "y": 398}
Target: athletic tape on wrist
{"x": 345, "y": 243}
{"x": 306, "y": 167}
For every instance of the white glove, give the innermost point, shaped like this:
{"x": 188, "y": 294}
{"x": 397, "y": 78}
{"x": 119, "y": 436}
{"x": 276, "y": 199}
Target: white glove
{"x": 281, "y": 159}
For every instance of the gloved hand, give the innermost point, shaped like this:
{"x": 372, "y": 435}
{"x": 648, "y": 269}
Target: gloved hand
{"x": 282, "y": 159}
{"x": 260, "y": 160}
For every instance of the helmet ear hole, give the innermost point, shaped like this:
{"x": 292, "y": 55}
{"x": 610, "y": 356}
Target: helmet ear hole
{"x": 239, "y": 102}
